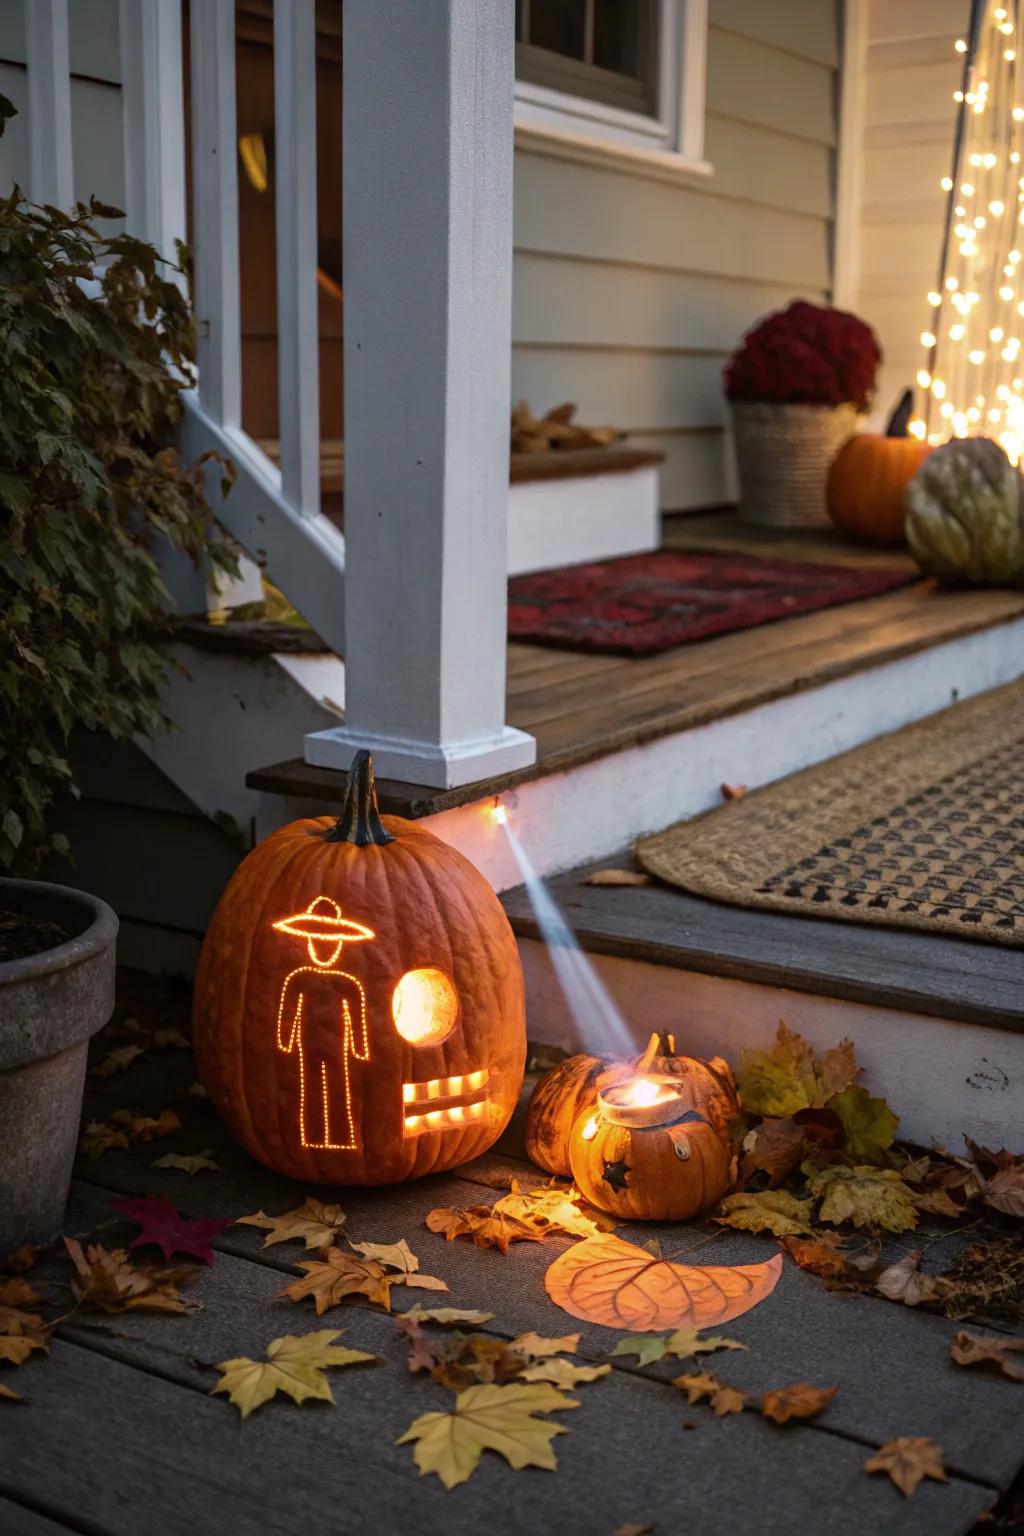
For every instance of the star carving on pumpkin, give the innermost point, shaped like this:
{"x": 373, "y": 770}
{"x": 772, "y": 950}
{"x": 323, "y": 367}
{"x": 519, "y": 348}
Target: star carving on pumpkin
{"x": 615, "y": 1173}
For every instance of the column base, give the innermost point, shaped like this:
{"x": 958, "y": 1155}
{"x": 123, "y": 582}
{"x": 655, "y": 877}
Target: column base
{"x": 413, "y": 762}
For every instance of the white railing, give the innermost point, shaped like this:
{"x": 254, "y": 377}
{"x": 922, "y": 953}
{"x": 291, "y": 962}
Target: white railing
{"x": 427, "y": 101}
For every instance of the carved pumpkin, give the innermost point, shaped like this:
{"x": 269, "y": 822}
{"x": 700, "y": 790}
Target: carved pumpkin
{"x": 358, "y": 1014}
{"x": 644, "y": 1154}
{"x": 867, "y": 485}
{"x": 573, "y": 1086}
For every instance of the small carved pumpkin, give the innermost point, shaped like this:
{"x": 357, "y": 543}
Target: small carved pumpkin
{"x": 644, "y": 1154}
{"x": 567, "y": 1090}
{"x": 867, "y": 485}
{"x": 557, "y": 1102}
{"x": 358, "y": 1014}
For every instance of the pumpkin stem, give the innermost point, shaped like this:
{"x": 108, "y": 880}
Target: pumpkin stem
{"x": 660, "y": 1044}
{"x": 899, "y": 422}
{"x": 360, "y": 821}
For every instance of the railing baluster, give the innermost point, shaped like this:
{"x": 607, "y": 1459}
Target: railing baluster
{"x": 298, "y": 363}
{"x": 153, "y": 105}
{"x": 51, "y": 164}
{"x": 215, "y": 210}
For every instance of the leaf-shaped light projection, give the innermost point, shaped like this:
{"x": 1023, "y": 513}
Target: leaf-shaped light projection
{"x": 489, "y": 1418}
{"x": 295, "y": 1364}
{"x": 605, "y": 1280}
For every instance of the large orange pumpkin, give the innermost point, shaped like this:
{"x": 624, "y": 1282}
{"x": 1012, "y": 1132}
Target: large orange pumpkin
{"x": 642, "y": 1153}
{"x": 358, "y": 1014}
{"x": 867, "y": 484}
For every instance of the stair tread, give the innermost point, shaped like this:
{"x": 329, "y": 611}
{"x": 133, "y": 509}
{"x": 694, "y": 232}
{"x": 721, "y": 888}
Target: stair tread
{"x": 895, "y": 968}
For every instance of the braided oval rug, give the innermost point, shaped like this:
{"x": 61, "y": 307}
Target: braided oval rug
{"x": 923, "y": 828}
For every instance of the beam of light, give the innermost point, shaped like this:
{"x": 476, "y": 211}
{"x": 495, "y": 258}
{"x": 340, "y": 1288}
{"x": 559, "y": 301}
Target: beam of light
{"x": 601, "y": 1025}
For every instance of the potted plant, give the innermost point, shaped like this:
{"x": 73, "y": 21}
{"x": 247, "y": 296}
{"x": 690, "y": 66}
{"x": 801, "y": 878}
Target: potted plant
{"x": 96, "y": 337}
{"x": 795, "y": 387}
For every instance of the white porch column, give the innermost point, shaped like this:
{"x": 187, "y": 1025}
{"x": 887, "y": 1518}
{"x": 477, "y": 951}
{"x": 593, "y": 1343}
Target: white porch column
{"x": 427, "y": 272}
{"x": 152, "y": 96}
{"x": 50, "y": 159}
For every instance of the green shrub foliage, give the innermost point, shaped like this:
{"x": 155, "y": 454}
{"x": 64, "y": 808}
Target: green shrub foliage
{"x": 96, "y": 345}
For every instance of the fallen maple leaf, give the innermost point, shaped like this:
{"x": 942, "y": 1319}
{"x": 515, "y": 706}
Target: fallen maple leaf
{"x": 565, "y": 1374}
{"x": 683, "y": 1344}
{"x": 533, "y": 1347}
{"x": 110, "y": 1282}
{"x": 605, "y": 1280}
{"x": 522, "y": 1216}
{"x": 20, "y": 1260}
{"x": 167, "y": 1229}
{"x": 702, "y": 1384}
{"x": 869, "y": 1125}
{"x": 773, "y": 1210}
{"x": 617, "y": 877}
{"x": 790, "y": 1077}
{"x": 116, "y": 1061}
{"x": 399, "y": 1256}
{"x": 800, "y": 1401}
{"x": 8, "y": 1395}
{"x": 865, "y": 1196}
{"x": 295, "y": 1364}
{"x": 100, "y": 1136}
{"x": 197, "y": 1162}
{"x": 489, "y": 1418}
{"x": 903, "y": 1281}
{"x": 21, "y": 1331}
{"x": 447, "y": 1315}
{"x": 774, "y": 1147}
{"x": 908, "y": 1461}
{"x": 336, "y": 1275}
{"x": 1004, "y": 1191}
{"x": 823, "y": 1254}
{"x": 124, "y": 1128}
{"x": 312, "y": 1223}
{"x": 1005, "y": 1355}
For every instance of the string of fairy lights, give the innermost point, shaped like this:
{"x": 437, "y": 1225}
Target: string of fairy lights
{"x": 973, "y": 377}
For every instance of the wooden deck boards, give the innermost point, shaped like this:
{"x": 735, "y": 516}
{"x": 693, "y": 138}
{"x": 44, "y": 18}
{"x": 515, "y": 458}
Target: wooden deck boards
{"x": 580, "y": 707}
{"x": 121, "y": 1434}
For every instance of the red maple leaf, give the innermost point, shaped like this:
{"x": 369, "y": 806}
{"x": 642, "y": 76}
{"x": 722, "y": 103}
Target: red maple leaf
{"x": 170, "y": 1231}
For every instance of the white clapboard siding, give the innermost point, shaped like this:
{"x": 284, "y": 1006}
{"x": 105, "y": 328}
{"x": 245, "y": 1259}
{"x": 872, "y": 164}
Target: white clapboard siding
{"x": 768, "y": 167}
{"x": 912, "y": 94}
{"x": 632, "y": 389}
{"x": 759, "y": 83}
{"x": 698, "y": 470}
{"x": 805, "y": 28}
{"x": 911, "y": 20}
{"x": 892, "y": 171}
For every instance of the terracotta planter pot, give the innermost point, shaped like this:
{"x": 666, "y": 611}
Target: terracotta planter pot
{"x": 50, "y": 1005}
{"x": 783, "y": 456}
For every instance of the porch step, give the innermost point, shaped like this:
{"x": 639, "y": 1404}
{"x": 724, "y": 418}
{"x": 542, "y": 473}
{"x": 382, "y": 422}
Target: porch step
{"x": 938, "y": 1023}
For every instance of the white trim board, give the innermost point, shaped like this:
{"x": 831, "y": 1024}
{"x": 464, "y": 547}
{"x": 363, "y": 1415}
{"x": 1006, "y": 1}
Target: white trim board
{"x": 582, "y": 517}
{"x": 944, "y": 1078}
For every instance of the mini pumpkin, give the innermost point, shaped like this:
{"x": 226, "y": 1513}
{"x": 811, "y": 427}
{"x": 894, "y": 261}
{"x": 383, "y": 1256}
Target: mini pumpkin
{"x": 644, "y": 1154}
{"x": 358, "y": 1014}
{"x": 573, "y": 1086}
{"x": 867, "y": 485}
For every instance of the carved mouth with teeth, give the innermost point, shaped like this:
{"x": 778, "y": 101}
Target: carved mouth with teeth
{"x": 444, "y": 1103}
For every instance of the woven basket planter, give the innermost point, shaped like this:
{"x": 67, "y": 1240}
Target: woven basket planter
{"x": 783, "y": 454}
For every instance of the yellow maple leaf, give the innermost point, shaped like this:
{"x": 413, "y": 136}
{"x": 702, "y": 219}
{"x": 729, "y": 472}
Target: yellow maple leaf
{"x": 399, "y": 1256}
{"x": 295, "y": 1364}
{"x": 789, "y": 1076}
{"x": 865, "y": 1196}
{"x": 116, "y": 1061}
{"x": 908, "y": 1461}
{"x": 703, "y": 1384}
{"x": 565, "y": 1374}
{"x": 772, "y": 1210}
{"x": 684, "y": 1344}
{"x": 312, "y": 1223}
{"x": 336, "y": 1275}
{"x": 532, "y": 1347}
{"x": 489, "y": 1418}
{"x": 197, "y": 1162}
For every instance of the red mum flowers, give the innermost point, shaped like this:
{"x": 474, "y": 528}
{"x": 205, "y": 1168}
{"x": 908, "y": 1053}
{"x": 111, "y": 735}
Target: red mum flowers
{"x": 806, "y": 355}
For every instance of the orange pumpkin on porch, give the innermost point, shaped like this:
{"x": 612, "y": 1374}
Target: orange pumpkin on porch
{"x": 358, "y": 1014}
{"x": 867, "y": 484}
{"x": 642, "y": 1153}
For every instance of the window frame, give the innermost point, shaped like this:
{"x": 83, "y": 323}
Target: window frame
{"x": 671, "y": 138}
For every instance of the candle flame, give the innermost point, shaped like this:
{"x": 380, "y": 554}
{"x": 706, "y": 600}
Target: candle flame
{"x": 499, "y": 813}
{"x": 641, "y": 1091}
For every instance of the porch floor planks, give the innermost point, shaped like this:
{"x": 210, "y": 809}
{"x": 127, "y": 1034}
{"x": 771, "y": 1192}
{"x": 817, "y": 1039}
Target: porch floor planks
{"x": 111, "y": 1438}
{"x": 898, "y": 968}
{"x": 581, "y": 706}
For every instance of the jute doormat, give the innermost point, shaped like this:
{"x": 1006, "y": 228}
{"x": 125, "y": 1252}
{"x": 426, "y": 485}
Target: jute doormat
{"x": 923, "y": 828}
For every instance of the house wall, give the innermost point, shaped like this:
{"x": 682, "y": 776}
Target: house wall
{"x": 632, "y": 287}
{"x": 910, "y": 73}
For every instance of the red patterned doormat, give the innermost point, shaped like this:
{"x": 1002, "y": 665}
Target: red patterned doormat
{"x": 649, "y": 603}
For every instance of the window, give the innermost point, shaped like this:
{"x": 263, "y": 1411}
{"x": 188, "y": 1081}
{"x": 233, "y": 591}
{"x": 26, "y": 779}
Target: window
{"x": 614, "y": 78}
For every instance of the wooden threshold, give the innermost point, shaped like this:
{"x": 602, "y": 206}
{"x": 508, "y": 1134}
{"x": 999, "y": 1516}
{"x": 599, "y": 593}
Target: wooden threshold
{"x": 901, "y": 969}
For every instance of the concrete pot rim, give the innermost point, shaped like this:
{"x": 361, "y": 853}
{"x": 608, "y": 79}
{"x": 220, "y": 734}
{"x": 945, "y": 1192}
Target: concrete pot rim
{"x": 99, "y": 934}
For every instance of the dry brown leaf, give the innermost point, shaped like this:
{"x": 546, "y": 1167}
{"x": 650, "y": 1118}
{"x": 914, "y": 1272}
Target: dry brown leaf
{"x": 733, "y": 791}
{"x": 772, "y": 1210}
{"x": 823, "y": 1255}
{"x": 21, "y": 1331}
{"x": 605, "y": 1280}
{"x": 399, "y": 1256}
{"x": 110, "y": 1282}
{"x": 1005, "y": 1355}
{"x": 633, "y": 1530}
{"x": 617, "y": 877}
{"x": 336, "y": 1275}
{"x": 20, "y": 1260}
{"x": 565, "y": 1374}
{"x": 125, "y": 1128}
{"x": 1005, "y": 1191}
{"x": 532, "y": 1347}
{"x": 800, "y": 1401}
{"x": 523, "y": 1215}
{"x": 790, "y": 1077}
{"x": 449, "y": 1315}
{"x": 116, "y": 1061}
{"x": 904, "y": 1282}
{"x": 908, "y": 1461}
{"x": 704, "y": 1384}
{"x": 312, "y": 1223}
{"x": 197, "y": 1162}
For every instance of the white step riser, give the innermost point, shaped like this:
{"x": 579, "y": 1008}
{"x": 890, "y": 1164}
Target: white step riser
{"x": 944, "y": 1078}
{"x": 586, "y": 517}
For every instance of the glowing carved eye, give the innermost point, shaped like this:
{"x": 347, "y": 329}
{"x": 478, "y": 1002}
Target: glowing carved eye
{"x": 425, "y": 1007}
